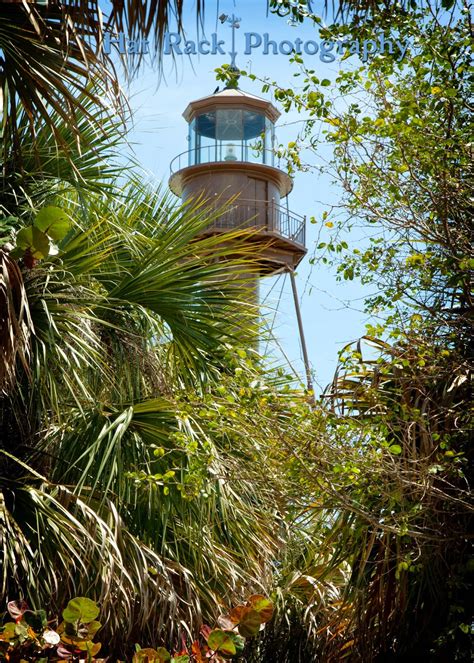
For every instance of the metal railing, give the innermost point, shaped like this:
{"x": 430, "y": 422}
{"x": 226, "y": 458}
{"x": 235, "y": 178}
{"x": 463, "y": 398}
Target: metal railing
{"x": 220, "y": 152}
{"x": 265, "y": 215}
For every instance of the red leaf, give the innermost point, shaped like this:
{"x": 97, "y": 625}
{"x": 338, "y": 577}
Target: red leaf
{"x": 197, "y": 652}
{"x": 263, "y": 606}
{"x": 16, "y": 609}
{"x": 205, "y": 630}
{"x": 250, "y": 624}
{"x": 237, "y": 613}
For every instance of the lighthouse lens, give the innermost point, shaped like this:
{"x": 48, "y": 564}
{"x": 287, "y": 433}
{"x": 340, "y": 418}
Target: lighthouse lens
{"x": 229, "y": 125}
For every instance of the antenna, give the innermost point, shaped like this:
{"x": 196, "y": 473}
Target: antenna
{"x": 234, "y": 23}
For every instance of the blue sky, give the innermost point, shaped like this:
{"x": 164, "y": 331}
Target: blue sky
{"x": 331, "y": 310}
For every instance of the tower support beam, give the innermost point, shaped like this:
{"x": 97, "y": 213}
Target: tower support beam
{"x": 304, "y": 349}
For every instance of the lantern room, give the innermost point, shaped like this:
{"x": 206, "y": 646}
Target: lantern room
{"x": 231, "y": 134}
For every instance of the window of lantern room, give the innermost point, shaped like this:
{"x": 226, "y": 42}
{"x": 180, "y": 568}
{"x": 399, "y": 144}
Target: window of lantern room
{"x": 231, "y": 134}
{"x": 203, "y": 139}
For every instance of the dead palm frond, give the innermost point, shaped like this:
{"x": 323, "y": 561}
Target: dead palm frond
{"x": 399, "y": 520}
{"x": 15, "y": 322}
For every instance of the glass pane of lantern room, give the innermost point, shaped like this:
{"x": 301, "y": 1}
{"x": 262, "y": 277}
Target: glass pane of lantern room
{"x": 229, "y": 135}
{"x": 192, "y": 143}
{"x": 270, "y": 141}
{"x": 254, "y": 133}
{"x": 203, "y": 143}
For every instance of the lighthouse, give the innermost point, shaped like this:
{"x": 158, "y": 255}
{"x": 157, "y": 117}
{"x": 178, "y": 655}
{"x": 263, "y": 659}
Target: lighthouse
{"x": 231, "y": 160}
{"x": 231, "y": 163}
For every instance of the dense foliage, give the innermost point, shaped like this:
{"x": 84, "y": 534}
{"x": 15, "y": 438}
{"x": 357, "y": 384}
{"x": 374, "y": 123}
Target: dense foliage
{"x": 149, "y": 460}
{"x": 122, "y": 341}
{"x": 32, "y": 637}
{"x": 396, "y": 478}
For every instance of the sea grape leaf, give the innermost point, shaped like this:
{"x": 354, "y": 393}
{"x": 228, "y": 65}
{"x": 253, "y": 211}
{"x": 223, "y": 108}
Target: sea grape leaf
{"x": 160, "y": 655}
{"x": 250, "y": 623}
{"x": 222, "y": 642}
{"x": 263, "y": 606}
{"x": 239, "y": 642}
{"x": 33, "y": 239}
{"x": 36, "y": 619}
{"x": 53, "y": 221}
{"x": 198, "y": 653}
{"x": 21, "y": 631}
{"x": 81, "y": 609}
{"x": 92, "y": 648}
{"x": 205, "y": 630}
{"x": 16, "y": 608}
{"x": 225, "y": 623}
{"x": 16, "y": 254}
{"x": 63, "y": 653}
{"x": 236, "y": 613}
{"x": 72, "y": 640}
{"x": 88, "y": 630}
{"x": 8, "y": 632}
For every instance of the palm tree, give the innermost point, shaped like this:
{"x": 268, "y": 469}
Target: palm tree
{"x": 115, "y": 349}
{"x": 119, "y": 351}
{"x": 111, "y": 486}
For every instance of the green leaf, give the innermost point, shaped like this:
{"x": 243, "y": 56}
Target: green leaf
{"x": 21, "y": 631}
{"x": 222, "y": 642}
{"x": 33, "y": 239}
{"x": 52, "y": 221}
{"x": 395, "y": 449}
{"x": 239, "y": 642}
{"x": 8, "y": 631}
{"x": 36, "y": 619}
{"x": 161, "y": 655}
{"x": 249, "y": 623}
{"x": 447, "y": 4}
{"x": 24, "y": 238}
{"x": 92, "y": 628}
{"x": 17, "y": 253}
{"x": 263, "y": 606}
{"x": 92, "y": 648}
{"x": 81, "y": 609}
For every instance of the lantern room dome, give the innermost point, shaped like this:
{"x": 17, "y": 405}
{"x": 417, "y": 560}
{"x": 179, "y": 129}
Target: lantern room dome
{"x": 232, "y": 97}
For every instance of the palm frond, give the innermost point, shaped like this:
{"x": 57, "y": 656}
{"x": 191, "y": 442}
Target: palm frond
{"x": 55, "y": 545}
{"x": 47, "y": 63}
